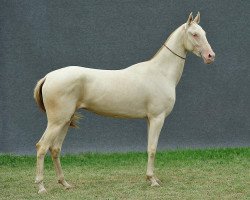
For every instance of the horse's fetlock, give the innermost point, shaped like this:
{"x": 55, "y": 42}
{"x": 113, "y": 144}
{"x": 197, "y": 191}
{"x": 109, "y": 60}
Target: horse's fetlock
{"x": 149, "y": 176}
{"x": 61, "y": 179}
{"x": 39, "y": 179}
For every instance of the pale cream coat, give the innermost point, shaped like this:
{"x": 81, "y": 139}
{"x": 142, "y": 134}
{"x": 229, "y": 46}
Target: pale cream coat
{"x": 144, "y": 90}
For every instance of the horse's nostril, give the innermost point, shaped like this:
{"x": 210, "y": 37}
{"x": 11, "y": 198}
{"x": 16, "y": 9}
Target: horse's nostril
{"x": 209, "y": 55}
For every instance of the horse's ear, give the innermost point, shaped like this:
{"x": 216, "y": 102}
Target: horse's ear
{"x": 190, "y": 19}
{"x": 197, "y": 19}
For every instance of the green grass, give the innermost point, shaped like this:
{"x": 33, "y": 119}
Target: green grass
{"x": 187, "y": 174}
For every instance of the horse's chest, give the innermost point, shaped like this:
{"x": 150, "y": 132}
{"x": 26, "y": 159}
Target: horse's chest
{"x": 162, "y": 100}
{"x": 168, "y": 100}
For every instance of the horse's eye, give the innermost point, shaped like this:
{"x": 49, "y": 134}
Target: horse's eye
{"x": 195, "y": 35}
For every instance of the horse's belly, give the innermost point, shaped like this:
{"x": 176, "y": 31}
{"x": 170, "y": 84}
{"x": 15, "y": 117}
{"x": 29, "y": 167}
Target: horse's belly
{"x": 119, "y": 113}
{"x": 117, "y": 107}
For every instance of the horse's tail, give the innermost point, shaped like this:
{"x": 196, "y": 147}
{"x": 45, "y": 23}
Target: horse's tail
{"x": 38, "y": 96}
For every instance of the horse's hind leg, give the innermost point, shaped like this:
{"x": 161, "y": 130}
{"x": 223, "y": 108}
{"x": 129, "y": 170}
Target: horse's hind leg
{"x": 41, "y": 151}
{"x": 42, "y": 147}
{"x": 55, "y": 150}
{"x": 58, "y": 122}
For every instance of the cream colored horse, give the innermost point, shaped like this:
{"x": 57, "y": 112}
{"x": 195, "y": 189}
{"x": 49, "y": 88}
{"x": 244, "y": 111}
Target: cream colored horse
{"x": 144, "y": 90}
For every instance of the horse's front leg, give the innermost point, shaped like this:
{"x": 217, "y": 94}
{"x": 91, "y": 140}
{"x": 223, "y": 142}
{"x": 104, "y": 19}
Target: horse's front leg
{"x": 154, "y": 128}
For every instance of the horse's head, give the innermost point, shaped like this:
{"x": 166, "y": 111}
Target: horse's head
{"x": 195, "y": 39}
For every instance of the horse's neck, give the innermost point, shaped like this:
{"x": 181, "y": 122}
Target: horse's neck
{"x": 169, "y": 64}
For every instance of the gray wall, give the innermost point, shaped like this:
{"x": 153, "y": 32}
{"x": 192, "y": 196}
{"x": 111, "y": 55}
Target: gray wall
{"x": 36, "y": 37}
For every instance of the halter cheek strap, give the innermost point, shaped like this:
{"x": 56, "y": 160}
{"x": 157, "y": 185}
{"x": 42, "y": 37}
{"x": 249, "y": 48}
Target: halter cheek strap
{"x": 173, "y": 52}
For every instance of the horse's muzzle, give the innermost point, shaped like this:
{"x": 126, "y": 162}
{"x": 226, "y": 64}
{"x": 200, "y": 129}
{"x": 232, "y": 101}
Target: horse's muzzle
{"x": 209, "y": 57}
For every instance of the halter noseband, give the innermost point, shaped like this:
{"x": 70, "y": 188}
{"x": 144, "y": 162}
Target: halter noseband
{"x": 173, "y": 52}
